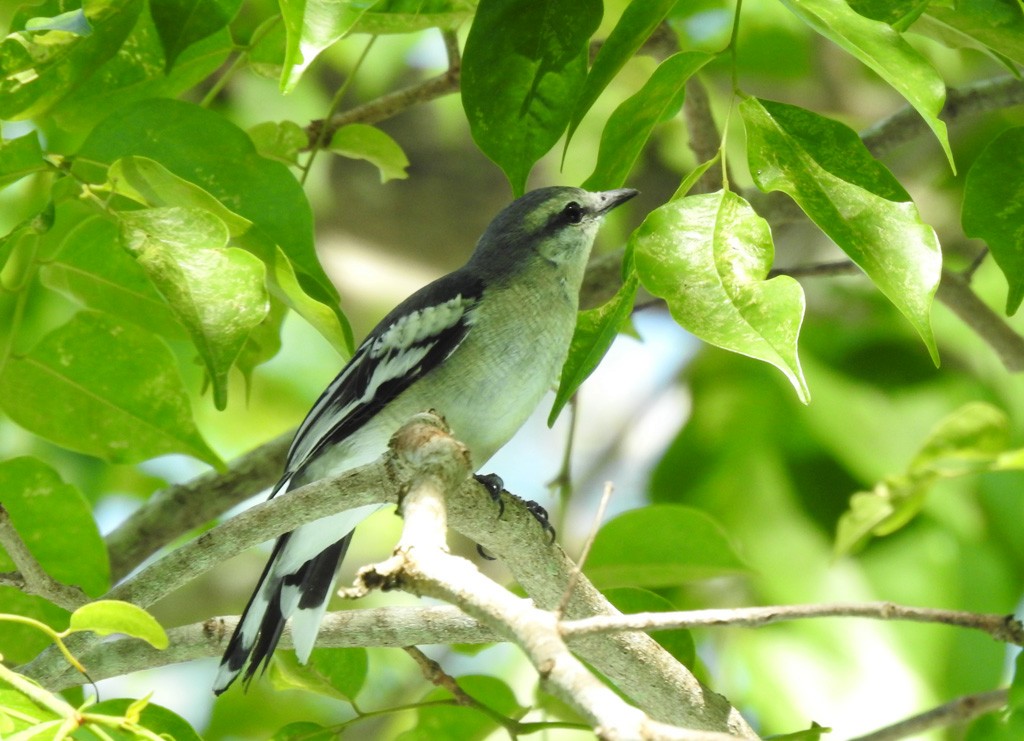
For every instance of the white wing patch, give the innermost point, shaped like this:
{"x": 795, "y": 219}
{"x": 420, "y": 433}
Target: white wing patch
{"x": 395, "y": 353}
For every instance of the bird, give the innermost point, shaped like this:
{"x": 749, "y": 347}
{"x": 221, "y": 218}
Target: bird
{"x": 480, "y": 345}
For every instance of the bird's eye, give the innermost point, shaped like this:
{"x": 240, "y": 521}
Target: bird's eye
{"x": 573, "y": 212}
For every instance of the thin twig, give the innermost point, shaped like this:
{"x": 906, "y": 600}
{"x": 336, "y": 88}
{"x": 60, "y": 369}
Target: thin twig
{"x": 31, "y": 577}
{"x": 1003, "y": 628}
{"x": 957, "y": 711}
{"x": 602, "y": 506}
{"x": 386, "y": 106}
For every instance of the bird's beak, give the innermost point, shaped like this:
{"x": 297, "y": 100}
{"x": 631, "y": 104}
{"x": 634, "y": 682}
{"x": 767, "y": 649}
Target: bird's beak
{"x": 612, "y": 198}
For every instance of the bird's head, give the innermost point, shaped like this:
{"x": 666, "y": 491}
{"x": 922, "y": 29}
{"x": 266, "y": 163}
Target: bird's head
{"x": 556, "y": 224}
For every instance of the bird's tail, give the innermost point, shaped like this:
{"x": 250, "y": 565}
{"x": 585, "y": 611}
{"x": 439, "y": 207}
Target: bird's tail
{"x": 286, "y": 589}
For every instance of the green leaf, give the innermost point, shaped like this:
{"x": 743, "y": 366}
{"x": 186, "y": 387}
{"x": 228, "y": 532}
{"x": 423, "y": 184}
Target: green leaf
{"x": 182, "y": 23}
{"x": 522, "y": 72}
{"x": 637, "y": 23}
{"x": 363, "y": 142}
{"x": 282, "y": 140}
{"x": 411, "y": 16}
{"x": 224, "y": 163}
{"x": 19, "y": 157}
{"x": 595, "y": 331}
{"x": 825, "y": 168}
{"x": 996, "y": 25}
{"x": 107, "y": 617}
{"x": 660, "y": 546}
{"x": 154, "y": 718}
{"x": 630, "y": 126}
{"x": 708, "y": 256}
{"x": 630, "y": 600}
{"x": 38, "y": 68}
{"x": 55, "y": 521}
{"x": 105, "y": 388}
{"x": 215, "y": 291}
{"x": 973, "y": 439}
{"x": 22, "y": 643}
{"x": 334, "y": 672}
{"x": 966, "y": 441}
{"x": 993, "y": 208}
{"x": 91, "y": 267}
{"x": 884, "y": 50}
{"x": 303, "y": 730}
{"x": 311, "y": 26}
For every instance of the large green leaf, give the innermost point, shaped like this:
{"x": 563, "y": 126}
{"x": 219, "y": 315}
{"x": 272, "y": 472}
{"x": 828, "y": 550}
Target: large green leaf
{"x": 438, "y": 721}
{"x": 660, "y": 545}
{"x": 56, "y": 523}
{"x": 885, "y": 51}
{"x": 708, "y": 257}
{"x": 103, "y": 387}
{"x": 993, "y": 207}
{"x": 182, "y": 23}
{"x": 826, "y": 169}
{"x": 216, "y": 291}
{"x": 156, "y": 719}
{"x": 637, "y": 23}
{"x": 522, "y": 71}
{"x": 207, "y": 150}
{"x": 630, "y": 126}
{"x": 38, "y": 68}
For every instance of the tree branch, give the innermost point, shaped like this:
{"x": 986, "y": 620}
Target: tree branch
{"x": 957, "y": 711}
{"x": 1005, "y": 628}
{"x": 386, "y": 106}
{"x": 428, "y": 463}
{"x": 174, "y": 511}
{"x": 978, "y": 97}
{"x": 31, "y": 577}
{"x": 643, "y": 670}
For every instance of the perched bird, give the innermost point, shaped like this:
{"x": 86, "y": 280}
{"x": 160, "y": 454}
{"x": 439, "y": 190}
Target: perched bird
{"x": 480, "y": 345}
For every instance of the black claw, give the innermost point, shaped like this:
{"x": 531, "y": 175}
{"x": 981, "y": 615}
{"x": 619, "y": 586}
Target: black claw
{"x": 541, "y": 515}
{"x": 484, "y": 554}
{"x": 494, "y": 485}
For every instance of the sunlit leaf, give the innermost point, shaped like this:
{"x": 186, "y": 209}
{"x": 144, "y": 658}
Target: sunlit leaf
{"x": 993, "y": 207}
{"x": 216, "y": 291}
{"x": 708, "y": 257}
{"x": 38, "y": 68}
{"x": 207, "y": 150}
{"x": 884, "y": 50}
{"x": 825, "y": 168}
{"x": 522, "y": 72}
{"x": 997, "y": 25}
{"x": 154, "y": 718}
{"x": 107, "y": 617}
